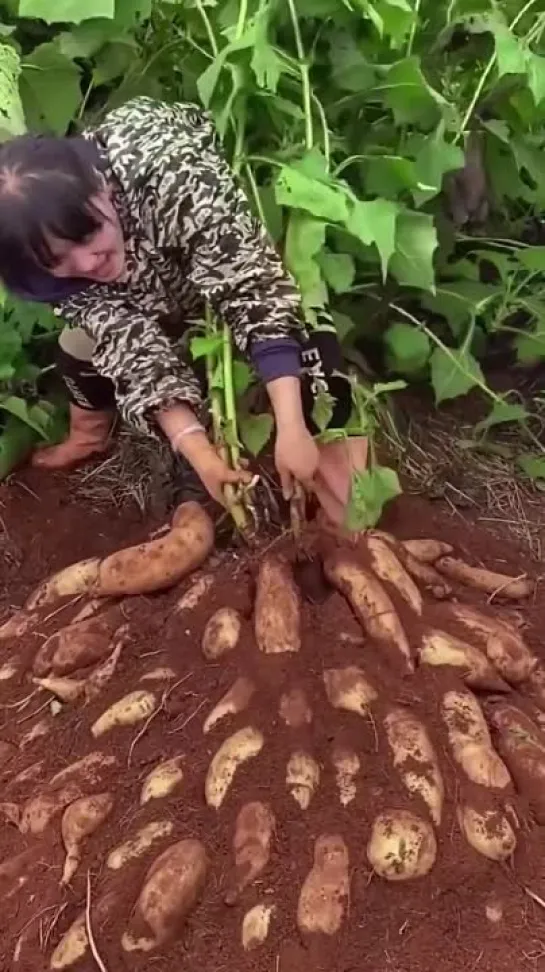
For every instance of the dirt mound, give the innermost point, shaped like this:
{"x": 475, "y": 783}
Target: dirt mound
{"x": 328, "y": 790}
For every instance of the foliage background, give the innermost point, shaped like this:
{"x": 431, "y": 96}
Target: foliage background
{"x": 345, "y": 119}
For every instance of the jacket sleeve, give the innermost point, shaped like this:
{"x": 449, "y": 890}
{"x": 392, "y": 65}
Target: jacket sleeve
{"x": 202, "y": 212}
{"x": 134, "y": 353}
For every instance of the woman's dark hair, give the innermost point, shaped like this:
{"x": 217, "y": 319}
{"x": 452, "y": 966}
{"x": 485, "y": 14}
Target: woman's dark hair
{"x": 46, "y": 190}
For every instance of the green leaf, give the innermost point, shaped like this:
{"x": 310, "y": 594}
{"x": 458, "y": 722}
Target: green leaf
{"x": 32, "y": 415}
{"x": 350, "y": 68}
{"x": 50, "y": 89}
{"x": 202, "y": 346}
{"x": 370, "y": 491}
{"x": 530, "y": 345}
{"x": 416, "y": 242}
{"x": 454, "y": 373}
{"x": 389, "y": 175}
{"x": 305, "y": 238}
{"x": 339, "y": 271}
{"x": 408, "y": 348}
{"x": 500, "y": 413}
{"x": 322, "y": 411}
{"x": 435, "y": 158}
{"x": 242, "y": 377}
{"x": 12, "y": 121}
{"x": 11, "y": 344}
{"x": 298, "y": 191}
{"x": 266, "y": 64}
{"x": 66, "y": 11}
{"x": 460, "y": 301}
{"x": 533, "y": 258}
{"x": 535, "y": 67}
{"x": 510, "y": 55}
{"x": 407, "y": 93}
{"x": 533, "y": 465}
{"x": 17, "y": 439}
{"x": 344, "y": 325}
{"x": 375, "y": 222}
{"x": 112, "y": 62}
{"x": 255, "y": 431}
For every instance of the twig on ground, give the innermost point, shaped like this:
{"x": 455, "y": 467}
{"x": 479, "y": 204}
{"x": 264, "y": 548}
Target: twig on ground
{"x": 89, "y": 930}
{"x": 535, "y": 897}
{"x": 35, "y": 713}
{"x": 510, "y": 580}
{"x": 189, "y": 718}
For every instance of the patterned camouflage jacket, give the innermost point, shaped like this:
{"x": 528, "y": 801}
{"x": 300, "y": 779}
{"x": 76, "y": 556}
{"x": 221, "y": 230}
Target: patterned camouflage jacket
{"x": 190, "y": 237}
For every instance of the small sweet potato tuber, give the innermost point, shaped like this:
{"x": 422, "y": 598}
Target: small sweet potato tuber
{"x": 522, "y": 744}
{"x": 503, "y": 644}
{"x": 416, "y": 759}
{"x": 252, "y": 843}
{"x": 76, "y": 579}
{"x": 277, "y": 608}
{"x": 295, "y": 709}
{"x": 236, "y": 750}
{"x": 402, "y": 846}
{"x": 389, "y": 569}
{"x": 234, "y": 701}
{"x": 349, "y": 689}
{"x": 221, "y": 634}
{"x": 470, "y": 740}
{"x": 347, "y": 766}
{"x": 325, "y": 892}
{"x": 439, "y": 648}
{"x": 302, "y": 777}
{"x": 488, "y": 831}
{"x": 490, "y": 581}
{"x": 77, "y": 645}
{"x": 427, "y": 551}
{"x": 139, "y": 844}
{"x": 129, "y": 710}
{"x": 162, "y": 780}
{"x": 255, "y": 925}
{"x": 79, "y": 821}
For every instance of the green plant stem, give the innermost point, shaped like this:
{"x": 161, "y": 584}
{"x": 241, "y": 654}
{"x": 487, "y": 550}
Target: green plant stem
{"x": 414, "y": 26}
{"x": 305, "y": 76}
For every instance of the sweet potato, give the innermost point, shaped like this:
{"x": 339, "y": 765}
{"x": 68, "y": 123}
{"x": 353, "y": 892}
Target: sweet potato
{"x": 326, "y": 889}
{"x": 79, "y": 821}
{"x": 470, "y": 740}
{"x": 234, "y": 701}
{"x": 349, "y": 689}
{"x": 77, "y": 645}
{"x": 172, "y": 888}
{"x": 161, "y": 563}
{"x": 236, "y": 750}
{"x": 164, "y": 673}
{"x": 389, "y": 569}
{"x": 371, "y": 604}
{"x": 302, "y": 777}
{"x": 294, "y": 709}
{"x": 252, "y": 844}
{"x": 129, "y": 710}
{"x": 402, "y": 846}
{"x": 72, "y": 947}
{"x": 162, "y": 780}
{"x": 522, "y": 744}
{"x": 255, "y": 925}
{"x": 139, "y": 844}
{"x": 65, "y": 689}
{"x": 439, "y": 648}
{"x": 40, "y": 811}
{"x": 489, "y": 581}
{"x": 277, "y": 608}
{"x": 89, "y": 770}
{"x": 427, "y": 576}
{"x": 502, "y": 642}
{"x": 102, "y": 674}
{"x": 194, "y": 594}
{"x": 8, "y": 670}
{"x": 416, "y": 759}
{"x": 347, "y": 766}
{"x": 535, "y": 686}
{"x": 488, "y": 831}
{"x": 221, "y": 634}
{"x": 427, "y": 551}
{"x": 76, "y": 579}
{"x": 18, "y": 625}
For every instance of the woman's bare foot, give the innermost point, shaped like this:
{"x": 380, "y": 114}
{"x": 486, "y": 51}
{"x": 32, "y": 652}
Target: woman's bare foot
{"x": 90, "y": 435}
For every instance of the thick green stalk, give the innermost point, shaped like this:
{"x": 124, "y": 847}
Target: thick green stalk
{"x": 305, "y": 76}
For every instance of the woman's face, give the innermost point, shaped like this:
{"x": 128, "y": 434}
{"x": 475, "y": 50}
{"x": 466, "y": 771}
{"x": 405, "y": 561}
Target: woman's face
{"x": 101, "y": 256}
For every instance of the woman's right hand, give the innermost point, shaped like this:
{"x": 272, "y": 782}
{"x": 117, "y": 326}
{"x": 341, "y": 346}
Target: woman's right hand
{"x": 214, "y": 473}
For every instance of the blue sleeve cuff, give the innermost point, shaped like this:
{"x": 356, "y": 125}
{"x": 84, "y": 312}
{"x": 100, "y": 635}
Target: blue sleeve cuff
{"x": 279, "y": 358}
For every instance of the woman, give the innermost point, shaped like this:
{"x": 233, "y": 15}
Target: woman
{"x": 140, "y": 222}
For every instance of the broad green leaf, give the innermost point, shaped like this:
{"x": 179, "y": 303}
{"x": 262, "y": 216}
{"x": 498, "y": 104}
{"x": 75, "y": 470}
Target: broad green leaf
{"x": 532, "y": 257}
{"x": 535, "y": 67}
{"x": 298, "y": 191}
{"x": 454, "y": 373}
{"x": 305, "y": 239}
{"x": 339, "y": 271}
{"x": 12, "y": 121}
{"x": 112, "y": 62}
{"x": 350, "y": 68}
{"x": 242, "y": 377}
{"x": 344, "y": 325}
{"x": 66, "y": 11}
{"x": 533, "y": 464}
{"x": 370, "y": 491}
{"x": 313, "y": 164}
{"x": 322, "y": 411}
{"x": 32, "y": 415}
{"x": 510, "y": 54}
{"x": 407, "y": 93}
{"x": 255, "y": 431}
{"x": 10, "y": 344}
{"x": 416, "y": 242}
{"x": 376, "y": 222}
{"x": 408, "y": 348}
{"x": 389, "y": 175}
{"x": 460, "y": 301}
{"x": 435, "y": 158}
{"x": 203, "y": 346}
{"x": 530, "y": 345}
{"x": 50, "y": 89}
{"x": 500, "y": 413}
{"x": 17, "y": 439}
{"x": 266, "y": 64}
{"x": 87, "y": 38}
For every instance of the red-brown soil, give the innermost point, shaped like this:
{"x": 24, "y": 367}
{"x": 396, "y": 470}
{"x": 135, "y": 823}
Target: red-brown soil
{"x": 468, "y": 914}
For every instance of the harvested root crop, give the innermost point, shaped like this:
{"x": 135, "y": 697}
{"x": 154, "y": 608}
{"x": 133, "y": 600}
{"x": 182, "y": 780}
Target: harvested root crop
{"x": 189, "y": 600}
{"x": 161, "y": 563}
{"x": 8, "y": 670}
{"x": 349, "y": 689}
{"x": 416, "y": 759}
{"x": 402, "y": 846}
{"x": 427, "y": 551}
{"x": 67, "y": 690}
{"x": 295, "y": 709}
{"x": 503, "y": 644}
{"x": 390, "y": 570}
{"x": 252, "y": 844}
{"x": 302, "y": 778}
{"x": 85, "y": 771}
{"x": 79, "y": 821}
{"x": 18, "y": 625}
{"x": 40, "y": 811}
{"x": 236, "y": 700}
{"x": 255, "y": 926}
{"x": 371, "y": 604}
{"x": 162, "y": 674}
{"x": 162, "y": 780}
{"x": 102, "y": 674}
{"x": 77, "y": 646}
{"x": 140, "y": 844}
{"x": 427, "y": 576}
{"x": 347, "y": 766}
{"x": 130, "y": 710}
{"x": 277, "y": 608}
{"x": 73, "y": 945}
{"x": 221, "y": 634}
{"x": 439, "y": 648}
{"x": 72, "y": 581}
{"x": 171, "y": 890}
{"x": 233, "y": 753}
{"x": 325, "y": 892}
{"x": 470, "y": 740}
{"x": 488, "y": 831}
{"x": 489, "y": 581}
{"x": 522, "y": 744}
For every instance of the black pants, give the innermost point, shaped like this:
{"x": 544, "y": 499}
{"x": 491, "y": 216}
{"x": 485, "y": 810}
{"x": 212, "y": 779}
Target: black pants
{"x": 322, "y": 373}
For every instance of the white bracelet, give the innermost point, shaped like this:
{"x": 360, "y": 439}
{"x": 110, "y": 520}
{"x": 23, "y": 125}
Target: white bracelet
{"x": 196, "y": 427}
